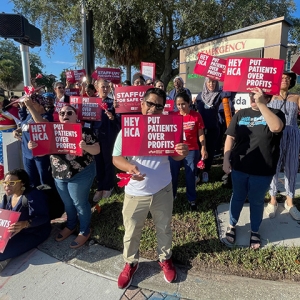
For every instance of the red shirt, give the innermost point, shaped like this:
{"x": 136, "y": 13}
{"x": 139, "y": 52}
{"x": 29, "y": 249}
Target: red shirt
{"x": 192, "y": 122}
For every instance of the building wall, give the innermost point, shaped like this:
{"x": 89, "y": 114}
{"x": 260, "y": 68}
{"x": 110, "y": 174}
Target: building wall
{"x": 268, "y": 40}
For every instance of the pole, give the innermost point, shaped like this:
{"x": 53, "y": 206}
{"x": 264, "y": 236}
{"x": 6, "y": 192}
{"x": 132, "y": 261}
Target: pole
{"x": 227, "y": 111}
{"x": 25, "y": 64}
{"x": 84, "y": 37}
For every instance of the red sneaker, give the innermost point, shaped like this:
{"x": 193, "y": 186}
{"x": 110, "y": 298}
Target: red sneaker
{"x": 169, "y": 270}
{"x": 126, "y": 275}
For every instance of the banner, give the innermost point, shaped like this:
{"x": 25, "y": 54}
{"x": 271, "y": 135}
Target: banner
{"x": 148, "y": 70}
{"x": 151, "y": 135}
{"x": 72, "y": 92}
{"x": 56, "y": 138}
{"x": 88, "y": 108}
{"x": 128, "y": 98}
{"x": 210, "y": 66}
{"x": 296, "y": 66}
{"x": 7, "y": 218}
{"x": 110, "y": 74}
{"x": 244, "y": 74}
{"x": 74, "y": 76}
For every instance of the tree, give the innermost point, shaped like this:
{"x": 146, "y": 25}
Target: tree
{"x": 169, "y": 24}
{"x": 11, "y": 73}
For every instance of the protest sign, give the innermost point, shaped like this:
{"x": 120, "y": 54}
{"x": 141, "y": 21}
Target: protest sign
{"x": 296, "y": 66}
{"x": 210, "y": 66}
{"x": 151, "y": 135}
{"x": 148, "y": 70}
{"x": 110, "y": 74}
{"x": 7, "y": 218}
{"x": 72, "y": 92}
{"x": 128, "y": 98}
{"x": 56, "y": 138}
{"x": 73, "y": 76}
{"x": 88, "y": 108}
{"x": 57, "y": 107}
{"x": 244, "y": 74}
{"x": 169, "y": 106}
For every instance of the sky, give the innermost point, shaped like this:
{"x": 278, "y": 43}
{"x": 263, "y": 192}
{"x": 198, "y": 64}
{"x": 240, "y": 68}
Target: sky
{"x": 62, "y": 56}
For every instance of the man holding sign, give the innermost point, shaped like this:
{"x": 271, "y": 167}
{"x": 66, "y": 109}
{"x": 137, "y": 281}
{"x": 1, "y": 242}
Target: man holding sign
{"x": 149, "y": 189}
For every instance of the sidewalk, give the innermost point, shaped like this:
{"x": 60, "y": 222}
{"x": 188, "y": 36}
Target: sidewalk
{"x": 57, "y": 272}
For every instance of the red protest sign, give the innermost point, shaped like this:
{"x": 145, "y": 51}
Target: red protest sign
{"x": 7, "y": 218}
{"x": 210, "y": 66}
{"x": 296, "y": 66}
{"x": 57, "y": 107}
{"x": 75, "y": 75}
{"x": 151, "y": 135}
{"x": 148, "y": 70}
{"x": 169, "y": 106}
{"x": 88, "y": 108}
{"x": 244, "y": 74}
{"x": 56, "y": 138}
{"x": 110, "y": 74}
{"x": 72, "y": 92}
{"x": 128, "y": 98}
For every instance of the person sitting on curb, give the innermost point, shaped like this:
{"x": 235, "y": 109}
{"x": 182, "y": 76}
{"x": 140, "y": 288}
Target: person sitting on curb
{"x": 152, "y": 192}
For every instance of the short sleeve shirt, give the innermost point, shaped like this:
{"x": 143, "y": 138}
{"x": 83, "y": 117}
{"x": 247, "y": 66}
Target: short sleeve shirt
{"x": 256, "y": 148}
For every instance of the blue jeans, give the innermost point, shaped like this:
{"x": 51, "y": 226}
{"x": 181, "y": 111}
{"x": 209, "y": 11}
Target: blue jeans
{"x": 74, "y": 193}
{"x": 39, "y": 170}
{"x": 253, "y": 186}
{"x": 190, "y": 163}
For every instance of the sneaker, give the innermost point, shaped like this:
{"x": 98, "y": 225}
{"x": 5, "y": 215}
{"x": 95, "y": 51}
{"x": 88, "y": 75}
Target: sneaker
{"x": 126, "y": 275}
{"x": 271, "y": 210}
{"x": 98, "y": 196}
{"x": 107, "y": 194}
{"x": 169, "y": 270}
{"x": 294, "y": 212}
{"x": 204, "y": 177}
{"x": 193, "y": 206}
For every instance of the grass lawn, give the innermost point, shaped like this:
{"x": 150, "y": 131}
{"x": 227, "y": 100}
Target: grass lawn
{"x": 195, "y": 239}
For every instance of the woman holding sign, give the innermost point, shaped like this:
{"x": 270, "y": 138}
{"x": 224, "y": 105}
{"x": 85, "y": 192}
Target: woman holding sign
{"x": 289, "y": 146}
{"x": 251, "y": 154}
{"x": 74, "y": 176}
{"x": 193, "y": 132}
{"x": 33, "y": 226}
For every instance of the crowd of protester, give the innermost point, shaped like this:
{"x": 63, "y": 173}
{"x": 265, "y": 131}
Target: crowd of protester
{"x": 253, "y": 154}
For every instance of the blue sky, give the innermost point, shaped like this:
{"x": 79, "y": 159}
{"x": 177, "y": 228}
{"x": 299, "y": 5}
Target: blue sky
{"x": 63, "y": 57}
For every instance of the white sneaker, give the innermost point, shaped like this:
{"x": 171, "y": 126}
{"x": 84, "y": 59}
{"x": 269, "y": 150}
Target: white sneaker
{"x": 204, "y": 177}
{"x": 294, "y": 212}
{"x": 107, "y": 194}
{"x": 271, "y": 210}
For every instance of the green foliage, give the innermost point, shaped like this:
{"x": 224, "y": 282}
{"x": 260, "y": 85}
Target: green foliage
{"x": 127, "y": 32}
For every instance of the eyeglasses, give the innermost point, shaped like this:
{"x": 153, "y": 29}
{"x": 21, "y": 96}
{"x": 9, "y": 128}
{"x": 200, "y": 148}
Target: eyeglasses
{"x": 157, "y": 106}
{"x": 10, "y": 182}
{"x": 60, "y": 87}
{"x": 67, "y": 112}
{"x": 181, "y": 104}
{"x": 288, "y": 78}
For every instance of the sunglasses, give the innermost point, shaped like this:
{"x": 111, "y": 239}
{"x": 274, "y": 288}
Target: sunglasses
{"x": 60, "y": 87}
{"x": 67, "y": 112}
{"x": 157, "y": 106}
{"x": 149, "y": 83}
{"x": 10, "y": 183}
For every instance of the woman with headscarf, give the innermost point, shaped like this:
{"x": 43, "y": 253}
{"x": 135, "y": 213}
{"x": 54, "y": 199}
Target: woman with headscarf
{"x": 289, "y": 146}
{"x": 208, "y": 102}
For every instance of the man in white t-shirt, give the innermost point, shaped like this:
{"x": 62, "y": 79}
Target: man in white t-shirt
{"x": 150, "y": 189}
